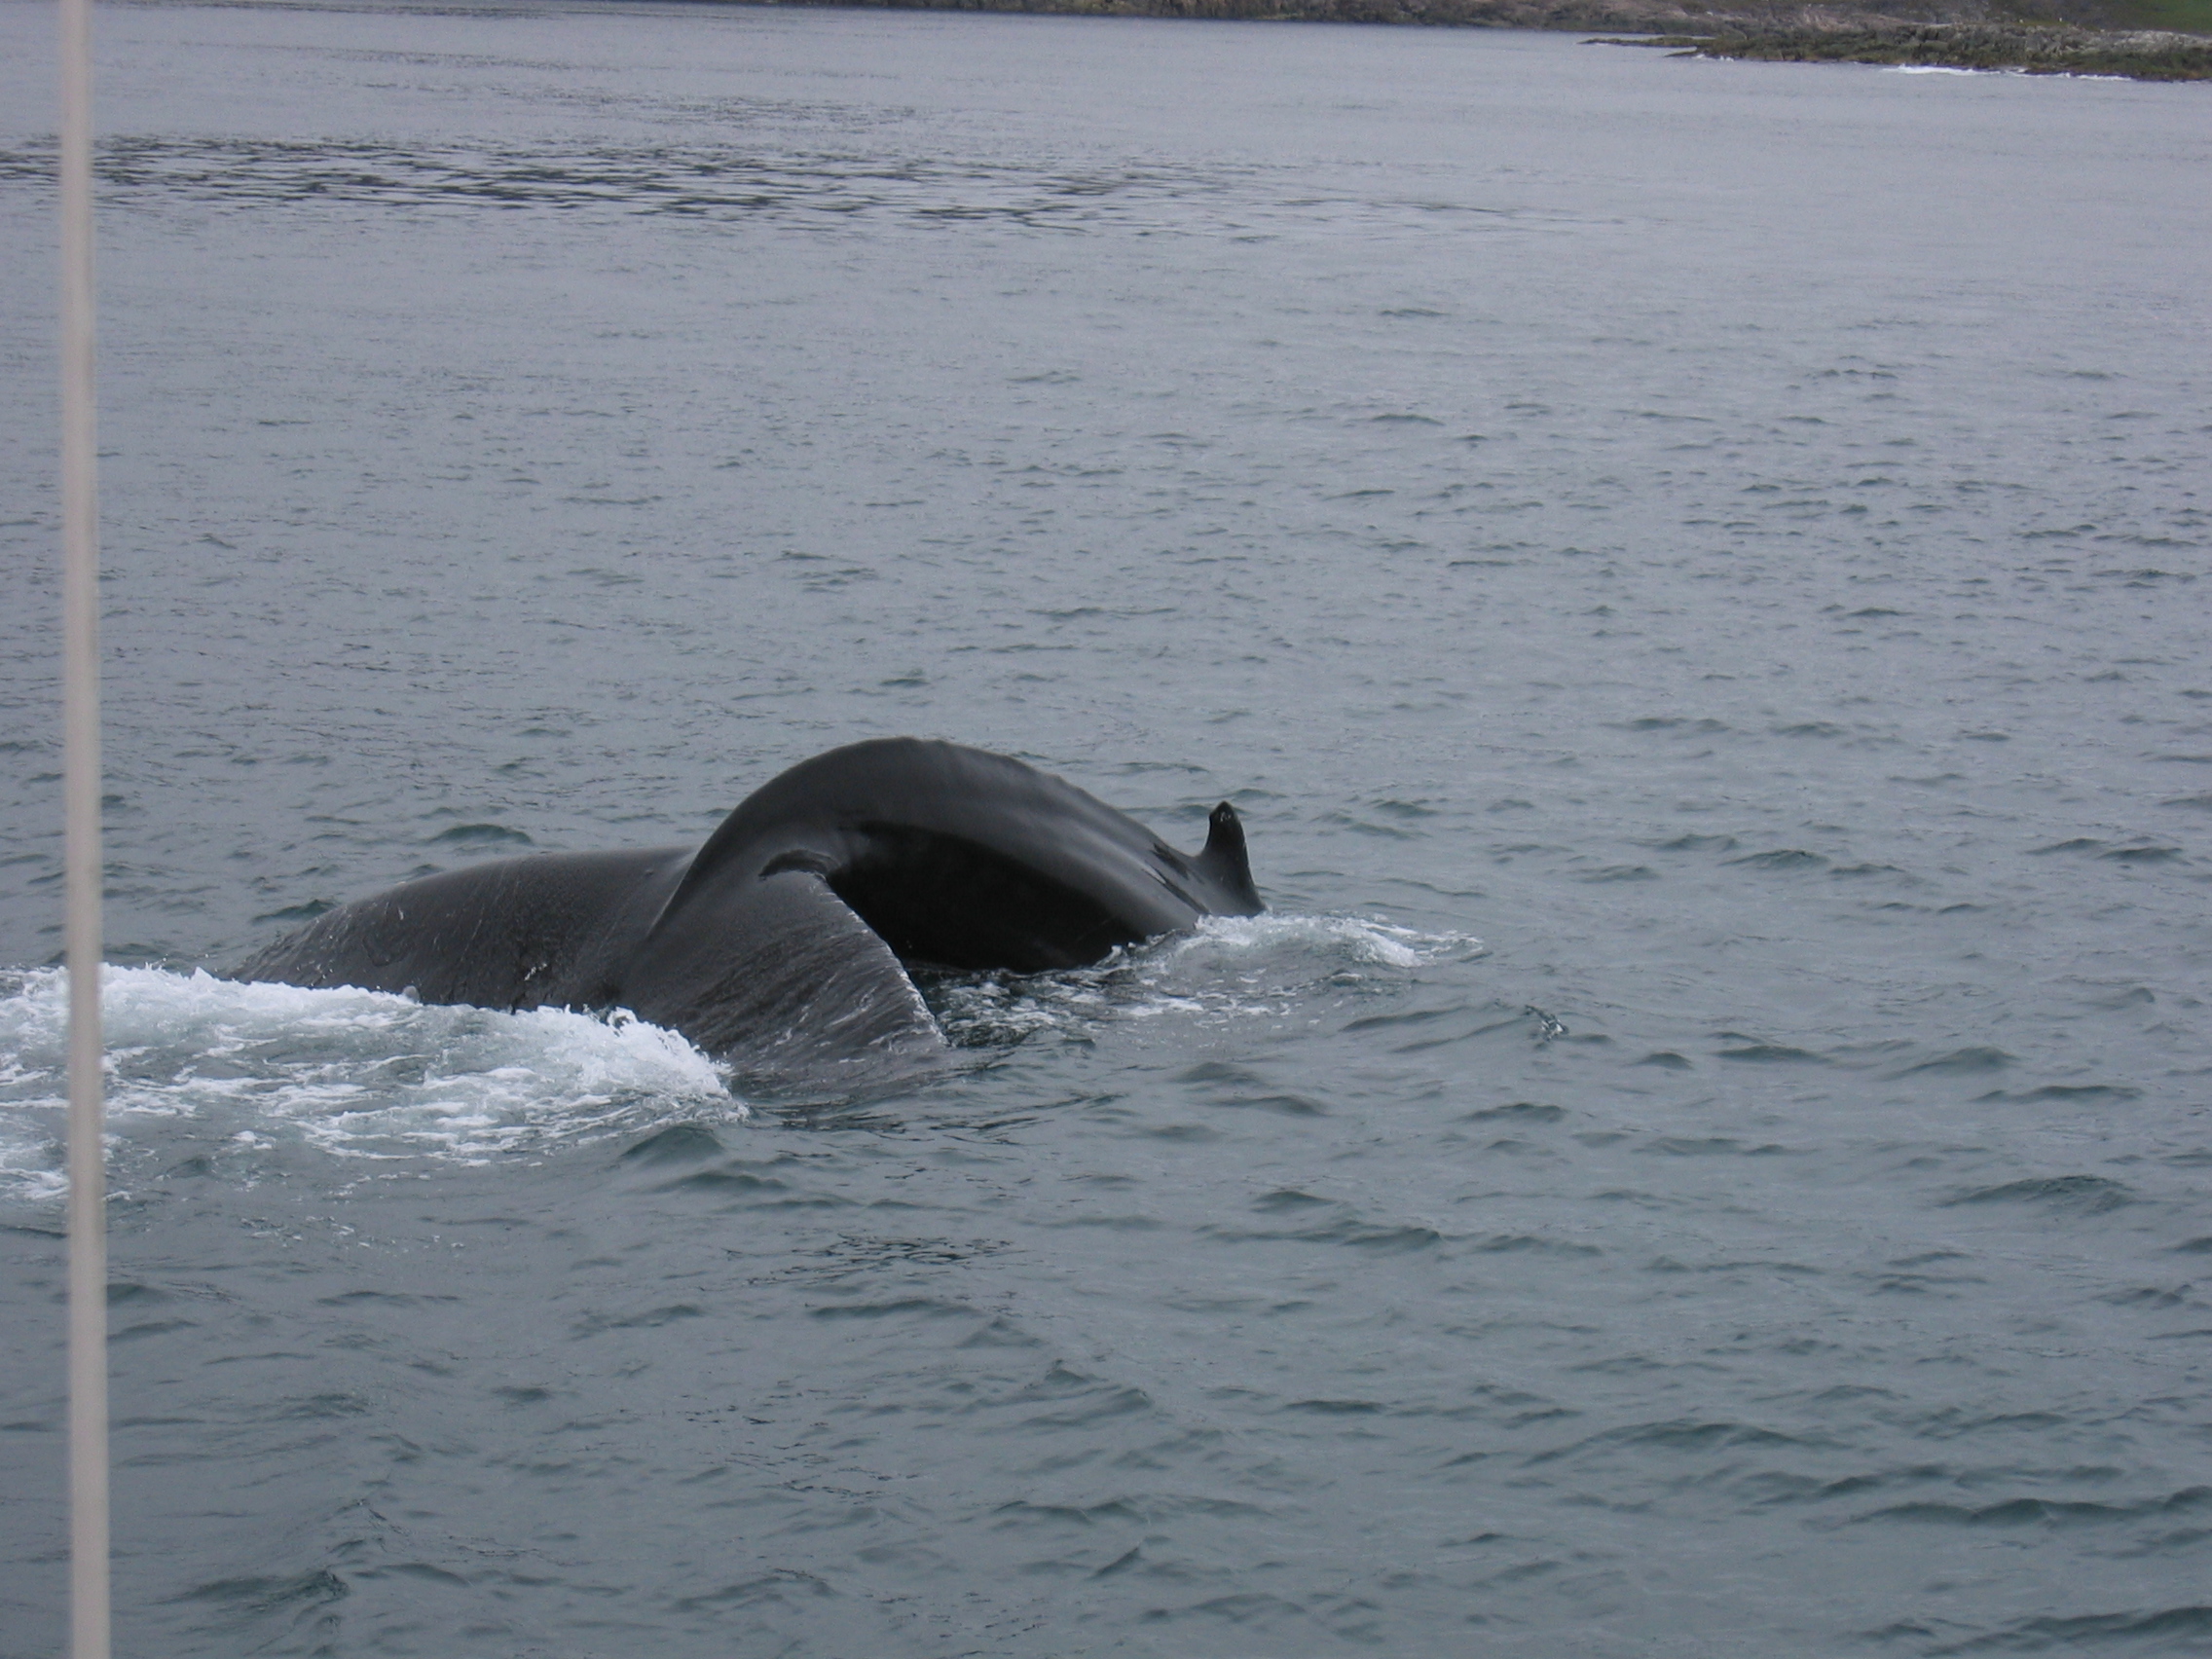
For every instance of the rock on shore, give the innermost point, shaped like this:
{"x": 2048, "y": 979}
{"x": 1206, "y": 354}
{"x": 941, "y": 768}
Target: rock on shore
{"x": 2035, "y": 48}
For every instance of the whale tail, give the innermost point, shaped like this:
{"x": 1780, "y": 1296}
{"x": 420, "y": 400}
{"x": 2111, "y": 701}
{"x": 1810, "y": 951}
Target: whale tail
{"x": 779, "y": 977}
{"x": 1225, "y": 861}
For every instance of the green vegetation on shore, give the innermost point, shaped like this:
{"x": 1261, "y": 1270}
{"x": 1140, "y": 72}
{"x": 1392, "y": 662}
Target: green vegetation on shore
{"x": 2036, "y": 50}
{"x": 2134, "y": 37}
{"x": 2189, "y": 17}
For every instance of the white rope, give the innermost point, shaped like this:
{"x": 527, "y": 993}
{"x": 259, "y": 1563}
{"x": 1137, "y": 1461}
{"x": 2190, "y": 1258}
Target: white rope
{"x": 81, "y": 806}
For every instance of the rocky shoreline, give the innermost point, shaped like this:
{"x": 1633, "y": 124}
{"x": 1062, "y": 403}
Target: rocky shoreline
{"x": 2041, "y": 37}
{"x": 2138, "y": 55}
{"x": 1650, "y": 16}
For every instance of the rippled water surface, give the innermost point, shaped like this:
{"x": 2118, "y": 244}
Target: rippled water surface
{"x": 1691, "y": 571}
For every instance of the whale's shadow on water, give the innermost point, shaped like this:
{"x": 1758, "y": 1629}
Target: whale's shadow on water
{"x": 788, "y": 946}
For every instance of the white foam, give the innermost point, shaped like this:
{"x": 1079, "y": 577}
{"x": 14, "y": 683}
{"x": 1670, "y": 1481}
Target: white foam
{"x": 363, "y": 1075}
{"x": 360, "y": 1074}
{"x": 1354, "y": 938}
{"x": 1231, "y": 969}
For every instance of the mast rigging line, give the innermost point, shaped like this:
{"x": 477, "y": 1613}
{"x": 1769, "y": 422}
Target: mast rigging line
{"x": 89, "y": 1532}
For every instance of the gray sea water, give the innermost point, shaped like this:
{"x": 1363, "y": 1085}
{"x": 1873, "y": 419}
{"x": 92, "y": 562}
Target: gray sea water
{"x": 1693, "y": 572}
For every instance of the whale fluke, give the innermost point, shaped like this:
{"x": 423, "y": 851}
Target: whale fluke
{"x": 782, "y": 943}
{"x": 1225, "y": 862}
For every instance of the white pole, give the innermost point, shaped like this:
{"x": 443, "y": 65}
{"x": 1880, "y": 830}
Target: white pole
{"x": 81, "y": 799}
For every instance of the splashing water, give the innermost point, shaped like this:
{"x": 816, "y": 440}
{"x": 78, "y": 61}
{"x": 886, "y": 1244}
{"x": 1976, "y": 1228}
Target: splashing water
{"x": 1231, "y": 967}
{"x": 368, "y": 1075}
{"x": 360, "y": 1074}
{"x": 1354, "y": 938}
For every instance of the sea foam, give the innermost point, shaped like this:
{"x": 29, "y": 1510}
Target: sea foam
{"x": 362, "y": 1074}
{"x": 1229, "y": 969}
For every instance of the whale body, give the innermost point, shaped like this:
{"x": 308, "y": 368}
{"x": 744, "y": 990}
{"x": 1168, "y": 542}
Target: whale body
{"x": 782, "y": 943}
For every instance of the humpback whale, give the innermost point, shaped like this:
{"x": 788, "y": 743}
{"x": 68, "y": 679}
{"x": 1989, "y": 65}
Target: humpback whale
{"x": 784, "y": 943}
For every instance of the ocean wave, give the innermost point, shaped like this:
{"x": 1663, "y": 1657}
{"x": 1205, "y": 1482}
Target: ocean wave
{"x": 358, "y": 1074}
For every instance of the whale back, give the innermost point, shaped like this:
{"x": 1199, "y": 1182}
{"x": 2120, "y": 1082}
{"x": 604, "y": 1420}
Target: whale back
{"x": 553, "y": 929}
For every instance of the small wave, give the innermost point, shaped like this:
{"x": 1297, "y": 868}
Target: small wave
{"x": 360, "y": 1074}
{"x": 2084, "y": 1195}
{"x": 2171, "y": 1630}
{"x": 1968, "y": 1061}
{"x": 481, "y": 836}
{"x": 1351, "y": 937}
{"x": 1768, "y": 1052}
{"x": 1783, "y": 858}
{"x": 1230, "y": 968}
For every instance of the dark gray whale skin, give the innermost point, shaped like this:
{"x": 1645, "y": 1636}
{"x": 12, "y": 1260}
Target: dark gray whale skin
{"x": 783, "y": 943}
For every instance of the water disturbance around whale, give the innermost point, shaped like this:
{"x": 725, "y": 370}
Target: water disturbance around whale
{"x": 1728, "y": 538}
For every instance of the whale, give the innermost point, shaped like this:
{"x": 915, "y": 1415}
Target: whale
{"x": 787, "y": 942}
